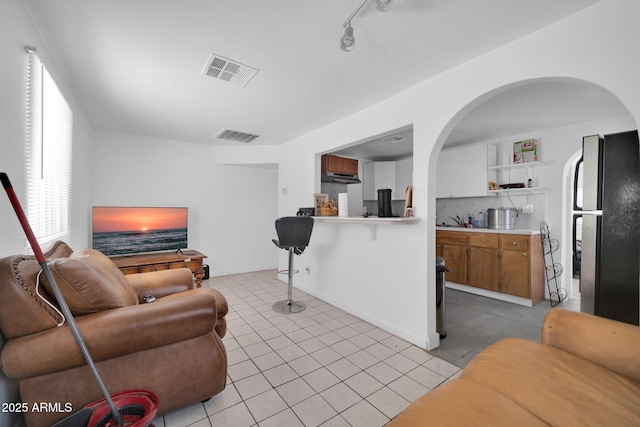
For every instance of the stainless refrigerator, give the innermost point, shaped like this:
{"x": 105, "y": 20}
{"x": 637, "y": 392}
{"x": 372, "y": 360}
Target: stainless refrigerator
{"x": 609, "y": 211}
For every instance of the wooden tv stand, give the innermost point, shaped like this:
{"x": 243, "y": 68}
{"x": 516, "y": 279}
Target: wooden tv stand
{"x": 144, "y": 263}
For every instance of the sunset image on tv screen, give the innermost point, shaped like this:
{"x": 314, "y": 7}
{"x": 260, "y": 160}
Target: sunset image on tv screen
{"x": 124, "y": 230}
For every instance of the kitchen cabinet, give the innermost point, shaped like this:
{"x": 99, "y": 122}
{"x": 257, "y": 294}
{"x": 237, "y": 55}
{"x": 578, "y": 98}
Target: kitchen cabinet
{"x": 404, "y": 176}
{"x": 338, "y": 164}
{"x": 521, "y": 265}
{"x": 452, "y": 246}
{"x": 483, "y": 262}
{"x": 369, "y": 181}
{"x": 379, "y": 175}
{"x": 464, "y": 171}
{"x": 505, "y": 263}
{"x": 396, "y": 175}
{"x": 385, "y": 177}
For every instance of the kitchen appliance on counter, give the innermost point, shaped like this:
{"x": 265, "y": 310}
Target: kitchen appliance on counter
{"x": 384, "y": 202}
{"x": 502, "y": 218}
{"x": 606, "y": 217}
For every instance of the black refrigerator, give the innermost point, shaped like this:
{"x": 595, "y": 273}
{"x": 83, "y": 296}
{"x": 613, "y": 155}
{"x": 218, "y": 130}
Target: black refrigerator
{"x": 609, "y": 212}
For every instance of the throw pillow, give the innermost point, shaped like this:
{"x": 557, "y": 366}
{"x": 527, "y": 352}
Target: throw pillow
{"x": 90, "y": 282}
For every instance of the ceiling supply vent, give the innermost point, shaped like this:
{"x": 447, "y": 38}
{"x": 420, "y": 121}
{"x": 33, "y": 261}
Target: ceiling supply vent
{"x": 228, "y": 70}
{"x": 237, "y": 136}
{"x": 393, "y": 139}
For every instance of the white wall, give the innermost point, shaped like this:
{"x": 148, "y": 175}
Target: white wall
{"x": 232, "y": 209}
{"x": 390, "y": 281}
{"x": 17, "y": 30}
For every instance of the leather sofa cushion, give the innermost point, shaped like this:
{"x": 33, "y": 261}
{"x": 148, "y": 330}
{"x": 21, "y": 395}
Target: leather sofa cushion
{"x": 557, "y": 386}
{"x": 90, "y": 282}
{"x": 464, "y": 403}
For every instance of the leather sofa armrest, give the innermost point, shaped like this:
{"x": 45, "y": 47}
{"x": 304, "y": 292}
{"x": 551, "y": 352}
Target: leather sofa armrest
{"x": 112, "y": 333}
{"x": 606, "y": 342}
{"x": 222, "y": 308}
{"x": 161, "y": 283}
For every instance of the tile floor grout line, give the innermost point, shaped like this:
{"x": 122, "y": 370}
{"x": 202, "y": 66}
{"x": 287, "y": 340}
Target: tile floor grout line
{"x": 365, "y": 361}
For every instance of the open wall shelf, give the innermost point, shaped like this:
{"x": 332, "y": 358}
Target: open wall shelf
{"x": 529, "y": 167}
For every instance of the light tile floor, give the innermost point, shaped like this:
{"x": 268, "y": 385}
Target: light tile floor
{"x": 326, "y": 367}
{"x": 472, "y": 323}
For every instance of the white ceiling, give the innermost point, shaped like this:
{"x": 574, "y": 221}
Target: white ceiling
{"x": 136, "y": 66}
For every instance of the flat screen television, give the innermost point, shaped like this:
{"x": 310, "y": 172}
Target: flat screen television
{"x": 120, "y": 230}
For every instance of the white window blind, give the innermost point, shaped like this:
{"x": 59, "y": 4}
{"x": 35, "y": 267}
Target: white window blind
{"x": 48, "y": 156}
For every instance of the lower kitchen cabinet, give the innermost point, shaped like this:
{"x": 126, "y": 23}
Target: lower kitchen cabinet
{"x": 483, "y": 262}
{"x": 522, "y": 266}
{"x": 452, "y": 246}
{"x": 511, "y": 264}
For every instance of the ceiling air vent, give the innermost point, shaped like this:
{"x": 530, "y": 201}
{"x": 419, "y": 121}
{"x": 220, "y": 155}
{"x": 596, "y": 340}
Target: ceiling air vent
{"x": 393, "y": 139}
{"x": 228, "y": 70}
{"x": 237, "y": 136}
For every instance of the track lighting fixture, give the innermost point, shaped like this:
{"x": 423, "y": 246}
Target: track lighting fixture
{"x": 383, "y": 5}
{"x": 348, "y": 41}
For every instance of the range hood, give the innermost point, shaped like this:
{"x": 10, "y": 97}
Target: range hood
{"x": 339, "y": 178}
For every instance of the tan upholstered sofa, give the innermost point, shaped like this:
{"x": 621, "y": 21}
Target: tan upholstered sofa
{"x": 171, "y": 346}
{"x": 586, "y": 372}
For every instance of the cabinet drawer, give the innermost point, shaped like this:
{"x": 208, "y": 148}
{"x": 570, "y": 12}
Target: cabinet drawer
{"x": 153, "y": 267}
{"x": 453, "y": 237}
{"x": 483, "y": 240}
{"x": 514, "y": 242}
{"x": 129, "y": 270}
{"x": 191, "y": 265}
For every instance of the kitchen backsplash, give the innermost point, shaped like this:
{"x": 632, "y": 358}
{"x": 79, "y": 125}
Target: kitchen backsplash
{"x": 446, "y": 209}
{"x": 333, "y": 189}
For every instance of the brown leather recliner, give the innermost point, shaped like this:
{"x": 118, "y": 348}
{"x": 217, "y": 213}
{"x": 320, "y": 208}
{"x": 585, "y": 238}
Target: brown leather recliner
{"x": 171, "y": 346}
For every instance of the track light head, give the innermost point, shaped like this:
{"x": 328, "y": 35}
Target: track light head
{"x": 383, "y": 5}
{"x": 347, "y": 42}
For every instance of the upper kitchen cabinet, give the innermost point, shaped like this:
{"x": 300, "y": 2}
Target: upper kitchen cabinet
{"x": 404, "y": 176}
{"x": 396, "y": 175}
{"x": 463, "y": 171}
{"x": 338, "y": 164}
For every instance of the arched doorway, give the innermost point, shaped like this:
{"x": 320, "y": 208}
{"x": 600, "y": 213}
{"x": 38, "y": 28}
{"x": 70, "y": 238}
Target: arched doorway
{"x": 559, "y": 130}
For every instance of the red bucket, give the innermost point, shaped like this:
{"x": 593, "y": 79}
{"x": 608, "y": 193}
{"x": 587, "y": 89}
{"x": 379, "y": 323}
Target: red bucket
{"x": 136, "y": 407}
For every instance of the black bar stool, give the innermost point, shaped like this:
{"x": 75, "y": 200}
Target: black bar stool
{"x": 294, "y": 233}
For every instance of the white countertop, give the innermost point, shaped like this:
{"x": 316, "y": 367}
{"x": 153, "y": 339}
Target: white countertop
{"x": 490, "y": 230}
{"x": 372, "y": 220}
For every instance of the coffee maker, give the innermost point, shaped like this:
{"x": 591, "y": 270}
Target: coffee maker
{"x": 384, "y": 202}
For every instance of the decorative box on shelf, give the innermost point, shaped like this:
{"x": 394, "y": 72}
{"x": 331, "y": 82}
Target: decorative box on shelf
{"x": 525, "y": 151}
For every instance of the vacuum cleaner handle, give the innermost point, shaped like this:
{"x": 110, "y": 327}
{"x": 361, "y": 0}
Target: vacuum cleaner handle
{"x": 6, "y": 183}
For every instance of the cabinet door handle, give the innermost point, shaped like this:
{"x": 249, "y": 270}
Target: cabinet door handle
{"x": 153, "y": 269}
{"x": 482, "y": 240}
{"x": 471, "y": 249}
{"x": 444, "y": 246}
{"x": 524, "y": 254}
{"x": 514, "y": 243}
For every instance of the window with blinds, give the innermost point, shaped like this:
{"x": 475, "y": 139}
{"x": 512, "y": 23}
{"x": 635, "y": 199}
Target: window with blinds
{"x": 48, "y": 156}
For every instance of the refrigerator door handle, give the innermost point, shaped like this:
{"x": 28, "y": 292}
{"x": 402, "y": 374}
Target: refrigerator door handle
{"x": 576, "y": 243}
{"x": 589, "y": 263}
{"x": 579, "y": 165}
